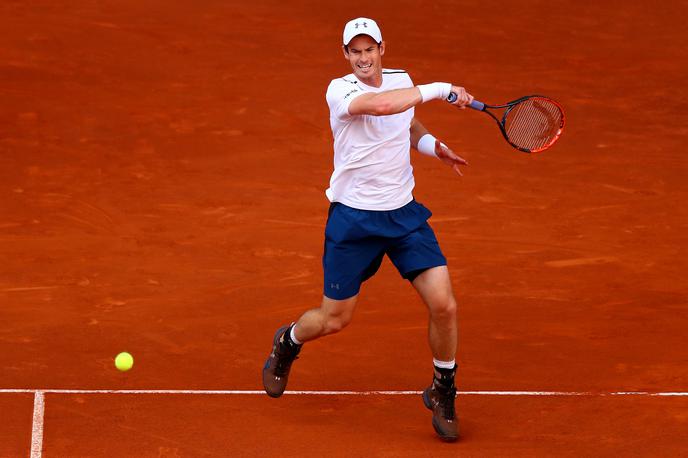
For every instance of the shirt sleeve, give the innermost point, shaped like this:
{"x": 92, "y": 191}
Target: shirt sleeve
{"x": 340, "y": 93}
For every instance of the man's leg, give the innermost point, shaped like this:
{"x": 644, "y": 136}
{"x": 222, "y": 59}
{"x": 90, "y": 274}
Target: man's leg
{"x": 434, "y": 287}
{"x": 331, "y": 317}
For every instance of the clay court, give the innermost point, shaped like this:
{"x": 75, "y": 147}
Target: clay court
{"x": 162, "y": 177}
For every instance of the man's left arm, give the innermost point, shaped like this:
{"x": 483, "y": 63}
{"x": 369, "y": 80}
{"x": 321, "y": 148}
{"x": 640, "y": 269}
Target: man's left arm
{"x": 425, "y": 143}
{"x": 417, "y": 131}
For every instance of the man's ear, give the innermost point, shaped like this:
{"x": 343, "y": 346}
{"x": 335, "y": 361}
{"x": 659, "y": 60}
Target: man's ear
{"x": 346, "y": 53}
{"x": 382, "y": 48}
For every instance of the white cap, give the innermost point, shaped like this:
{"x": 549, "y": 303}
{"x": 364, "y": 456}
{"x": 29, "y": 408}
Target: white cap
{"x": 362, "y": 26}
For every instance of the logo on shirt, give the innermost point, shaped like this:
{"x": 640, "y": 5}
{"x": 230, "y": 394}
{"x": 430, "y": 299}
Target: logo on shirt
{"x": 350, "y": 92}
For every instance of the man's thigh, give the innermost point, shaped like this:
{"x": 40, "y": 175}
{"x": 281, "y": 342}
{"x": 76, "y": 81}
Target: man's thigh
{"x": 416, "y": 252}
{"x": 434, "y": 286}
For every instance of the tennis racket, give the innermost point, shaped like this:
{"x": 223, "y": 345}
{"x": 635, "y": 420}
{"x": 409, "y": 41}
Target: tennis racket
{"x": 530, "y": 124}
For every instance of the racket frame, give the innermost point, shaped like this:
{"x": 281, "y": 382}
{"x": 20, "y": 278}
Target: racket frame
{"x": 480, "y": 106}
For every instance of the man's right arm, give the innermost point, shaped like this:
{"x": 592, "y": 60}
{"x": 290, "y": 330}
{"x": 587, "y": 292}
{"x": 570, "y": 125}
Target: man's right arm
{"x": 385, "y": 103}
{"x": 400, "y": 100}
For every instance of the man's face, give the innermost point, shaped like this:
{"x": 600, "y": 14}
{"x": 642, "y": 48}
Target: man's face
{"x": 365, "y": 57}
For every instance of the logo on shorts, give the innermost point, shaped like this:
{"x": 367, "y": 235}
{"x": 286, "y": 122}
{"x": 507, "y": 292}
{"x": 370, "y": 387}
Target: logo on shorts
{"x": 334, "y": 286}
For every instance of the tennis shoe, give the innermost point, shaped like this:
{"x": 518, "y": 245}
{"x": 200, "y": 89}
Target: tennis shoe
{"x": 440, "y": 400}
{"x": 278, "y": 364}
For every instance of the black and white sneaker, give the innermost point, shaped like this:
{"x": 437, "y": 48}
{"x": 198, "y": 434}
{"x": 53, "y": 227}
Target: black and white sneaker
{"x": 440, "y": 400}
{"x": 278, "y": 364}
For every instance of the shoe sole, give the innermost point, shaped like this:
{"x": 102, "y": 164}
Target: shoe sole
{"x": 442, "y": 436}
{"x": 275, "y": 341}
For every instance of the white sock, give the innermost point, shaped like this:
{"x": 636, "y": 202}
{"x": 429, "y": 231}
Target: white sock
{"x": 293, "y": 336}
{"x": 440, "y": 364}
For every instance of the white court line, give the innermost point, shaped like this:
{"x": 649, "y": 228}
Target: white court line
{"x": 347, "y": 393}
{"x": 37, "y": 428}
{"x": 39, "y": 399}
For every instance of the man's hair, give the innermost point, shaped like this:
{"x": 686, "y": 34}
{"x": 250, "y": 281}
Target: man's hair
{"x": 346, "y": 47}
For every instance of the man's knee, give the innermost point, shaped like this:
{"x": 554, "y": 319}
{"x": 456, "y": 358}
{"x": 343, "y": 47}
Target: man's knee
{"x": 336, "y": 323}
{"x": 338, "y": 314}
{"x": 443, "y": 307}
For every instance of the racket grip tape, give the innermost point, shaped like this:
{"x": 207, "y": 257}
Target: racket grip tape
{"x": 476, "y": 105}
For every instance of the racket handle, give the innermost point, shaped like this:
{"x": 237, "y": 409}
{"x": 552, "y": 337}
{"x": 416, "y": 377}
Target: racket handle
{"x": 476, "y": 105}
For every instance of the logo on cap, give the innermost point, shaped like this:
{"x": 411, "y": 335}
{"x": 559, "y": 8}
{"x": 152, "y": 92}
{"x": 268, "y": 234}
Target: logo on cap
{"x": 361, "y": 25}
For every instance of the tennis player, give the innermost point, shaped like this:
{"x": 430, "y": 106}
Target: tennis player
{"x": 373, "y": 214}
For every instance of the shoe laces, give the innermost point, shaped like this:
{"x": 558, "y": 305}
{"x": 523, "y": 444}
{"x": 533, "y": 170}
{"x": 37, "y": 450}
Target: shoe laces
{"x": 285, "y": 357}
{"x": 445, "y": 399}
{"x": 447, "y": 404}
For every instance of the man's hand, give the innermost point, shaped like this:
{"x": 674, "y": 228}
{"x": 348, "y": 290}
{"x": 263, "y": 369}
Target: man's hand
{"x": 463, "y": 98}
{"x": 448, "y": 157}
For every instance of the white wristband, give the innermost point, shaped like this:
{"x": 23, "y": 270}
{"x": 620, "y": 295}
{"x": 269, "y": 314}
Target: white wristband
{"x": 434, "y": 91}
{"x": 426, "y": 145}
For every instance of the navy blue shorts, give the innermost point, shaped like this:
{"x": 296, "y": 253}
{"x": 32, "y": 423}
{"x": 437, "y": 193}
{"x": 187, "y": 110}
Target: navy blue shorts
{"x": 357, "y": 240}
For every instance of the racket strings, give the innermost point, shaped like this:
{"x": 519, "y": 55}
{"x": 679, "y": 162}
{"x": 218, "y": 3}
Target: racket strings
{"x": 534, "y": 124}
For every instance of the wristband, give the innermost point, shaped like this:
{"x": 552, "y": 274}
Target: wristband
{"x": 426, "y": 145}
{"x": 434, "y": 91}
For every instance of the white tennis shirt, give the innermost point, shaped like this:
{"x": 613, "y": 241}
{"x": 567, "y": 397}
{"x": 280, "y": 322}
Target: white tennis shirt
{"x": 372, "y": 164}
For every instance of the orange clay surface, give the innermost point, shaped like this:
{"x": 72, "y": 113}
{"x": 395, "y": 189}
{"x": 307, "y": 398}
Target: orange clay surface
{"x": 162, "y": 176}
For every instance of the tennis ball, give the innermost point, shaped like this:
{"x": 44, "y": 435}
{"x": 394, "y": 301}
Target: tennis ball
{"x": 124, "y": 361}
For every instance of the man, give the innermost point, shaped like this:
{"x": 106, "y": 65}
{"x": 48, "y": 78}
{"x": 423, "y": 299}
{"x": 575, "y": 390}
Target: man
{"x": 373, "y": 213}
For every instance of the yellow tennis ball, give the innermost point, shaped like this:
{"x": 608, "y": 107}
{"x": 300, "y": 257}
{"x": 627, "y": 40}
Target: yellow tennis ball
{"x": 124, "y": 361}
